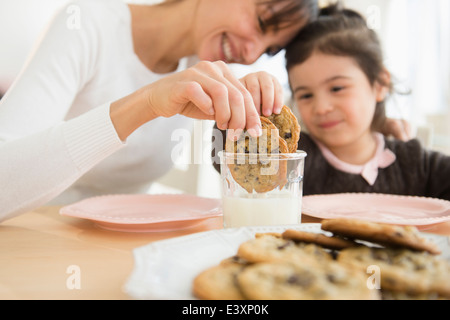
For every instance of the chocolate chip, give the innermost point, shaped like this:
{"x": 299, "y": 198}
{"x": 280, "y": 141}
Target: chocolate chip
{"x": 420, "y": 267}
{"x": 331, "y": 278}
{"x": 285, "y": 245}
{"x": 303, "y": 280}
{"x": 381, "y": 255}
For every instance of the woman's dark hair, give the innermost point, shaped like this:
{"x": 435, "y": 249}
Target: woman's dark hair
{"x": 289, "y": 13}
{"x": 343, "y": 32}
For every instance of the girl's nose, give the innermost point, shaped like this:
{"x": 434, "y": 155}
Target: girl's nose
{"x": 322, "y": 105}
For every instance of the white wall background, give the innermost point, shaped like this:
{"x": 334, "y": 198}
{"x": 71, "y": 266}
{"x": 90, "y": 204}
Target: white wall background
{"x": 415, "y": 34}
{"x": 21, "y": 23}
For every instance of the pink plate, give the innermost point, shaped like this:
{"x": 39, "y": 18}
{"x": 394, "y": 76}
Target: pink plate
{"x": 145, "y": 212}
{"x": 383, "y": 208}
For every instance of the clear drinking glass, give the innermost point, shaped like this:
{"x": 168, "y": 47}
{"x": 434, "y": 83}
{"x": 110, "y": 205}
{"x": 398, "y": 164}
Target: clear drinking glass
{"x": 261, "y": 189}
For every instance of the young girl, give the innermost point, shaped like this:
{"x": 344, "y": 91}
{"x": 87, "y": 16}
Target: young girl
{"x": 340, "y": 85}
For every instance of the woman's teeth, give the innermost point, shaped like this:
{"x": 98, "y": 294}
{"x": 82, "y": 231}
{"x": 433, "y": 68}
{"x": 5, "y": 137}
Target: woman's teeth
{"x": 227, "y": 49}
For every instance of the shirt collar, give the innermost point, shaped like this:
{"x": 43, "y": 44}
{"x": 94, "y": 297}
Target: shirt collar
{"x": 383, "y": 158}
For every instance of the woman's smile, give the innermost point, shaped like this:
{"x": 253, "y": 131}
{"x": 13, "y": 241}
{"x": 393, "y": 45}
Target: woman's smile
{"x": 228, "y": 51}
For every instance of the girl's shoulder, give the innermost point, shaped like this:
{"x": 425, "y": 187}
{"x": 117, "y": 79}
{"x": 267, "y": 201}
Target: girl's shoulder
{"x": 413, "y": 150}
{"x": 412, "y": 144}
{"x": 306, "y": 143}
{"x": 409, "y": 147}
{"x": 404, "y": 148}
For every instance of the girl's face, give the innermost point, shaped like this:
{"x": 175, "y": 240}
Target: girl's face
{"x": 233, "y": 31}
{"x": 335, "y": 99}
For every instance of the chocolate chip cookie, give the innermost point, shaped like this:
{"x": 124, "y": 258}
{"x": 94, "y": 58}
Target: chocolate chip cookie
{"x": 384, "y": 234}
{"x": 402, "y": 270}
{"x": 319, "y": 239}
{"x": 288, "y": 126}
{"x": 271, "y": 248}
{"x": 218, "y": 283}
{"x": 284, "y": 280}
{"x": 267, "y": 143}
{"x": 256, "y": 165}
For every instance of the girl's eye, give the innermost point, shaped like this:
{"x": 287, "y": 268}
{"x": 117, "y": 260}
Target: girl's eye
{"x": 305, "y": 96}
{"x": 337, "y": 89}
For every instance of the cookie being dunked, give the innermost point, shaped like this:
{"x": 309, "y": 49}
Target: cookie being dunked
{"x": 256, "y": 166}
{"x": 267, "y": 143}
{"x": 288, "y": 127}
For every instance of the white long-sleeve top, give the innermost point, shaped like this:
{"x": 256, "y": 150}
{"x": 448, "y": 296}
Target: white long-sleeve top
{"x": 57, "y": 141}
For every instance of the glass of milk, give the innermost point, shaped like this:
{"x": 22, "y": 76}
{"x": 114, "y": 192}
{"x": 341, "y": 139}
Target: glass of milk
{"x": 261, "y": 189}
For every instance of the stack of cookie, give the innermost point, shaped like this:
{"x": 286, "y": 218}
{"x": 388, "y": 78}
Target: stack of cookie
{"x": 348, "y": 262}
{"x": 281, "y": 133}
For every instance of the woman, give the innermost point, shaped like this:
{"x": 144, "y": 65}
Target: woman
{"x": 93, "y": 110}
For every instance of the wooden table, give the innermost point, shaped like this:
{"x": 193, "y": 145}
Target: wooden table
{"x": 44, "y": 255}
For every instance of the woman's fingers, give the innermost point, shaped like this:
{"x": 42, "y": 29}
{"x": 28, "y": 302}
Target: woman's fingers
{"x": 233, "y": 104}
{"x": 266, "y": 91}
{"x": 200, "y": 87}
{"x": 279, "y": 97}
{"x": 246, "y": 117}
{"x": 398, "y": 128}
{"x": 209, "y": 90}
{"x": 251, "y": 82}
{"x": 267, "y": 95}
{"x": 197, "y": 96}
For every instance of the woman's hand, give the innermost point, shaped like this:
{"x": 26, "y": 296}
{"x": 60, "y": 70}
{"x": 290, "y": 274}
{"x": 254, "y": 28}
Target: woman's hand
{"x": 398, "y": 128}
{"x": 207, "y": 90}
{"x": 266, "y": 92}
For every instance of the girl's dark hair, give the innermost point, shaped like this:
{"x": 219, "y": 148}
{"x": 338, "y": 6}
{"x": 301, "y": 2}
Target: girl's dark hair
{"x": 343, "y": 32}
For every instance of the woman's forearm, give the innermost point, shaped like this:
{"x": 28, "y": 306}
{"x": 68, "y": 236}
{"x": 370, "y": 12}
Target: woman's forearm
{"x": 36, "y": 168}
{"x": 129, "y": 113}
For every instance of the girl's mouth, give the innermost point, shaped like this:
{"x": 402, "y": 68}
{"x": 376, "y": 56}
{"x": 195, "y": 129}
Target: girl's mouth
{"x": 329, "y": 124}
